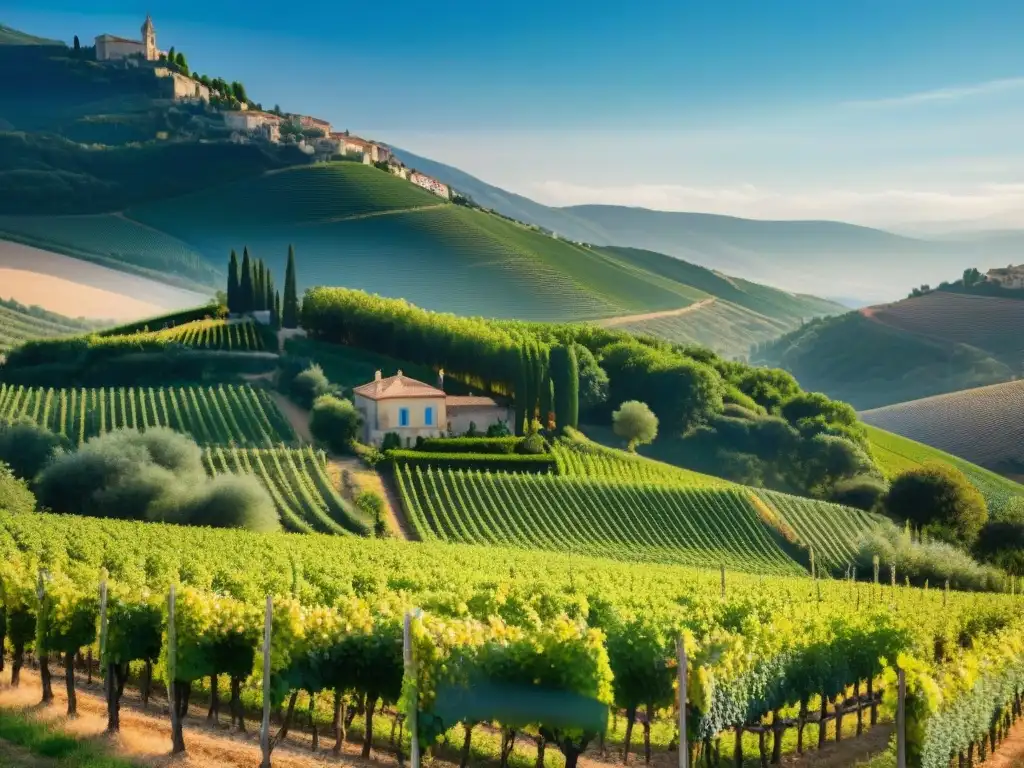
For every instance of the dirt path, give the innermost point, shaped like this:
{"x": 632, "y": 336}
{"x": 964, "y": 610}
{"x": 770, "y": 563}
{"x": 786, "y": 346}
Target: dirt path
{"x": 297, "y": 417}
{"x": 370, "y": 480}
{"x": 145, "y": 737}
{"x": 611, "y": 322}
{"x": 375, "y": 214}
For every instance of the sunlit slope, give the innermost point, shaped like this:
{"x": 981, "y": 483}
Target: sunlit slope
{"x": 358, "y": 226}
{"x": 895, "y": 454}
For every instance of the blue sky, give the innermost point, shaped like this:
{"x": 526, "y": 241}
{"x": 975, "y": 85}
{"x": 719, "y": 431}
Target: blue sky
{"x": 876, "y": 111}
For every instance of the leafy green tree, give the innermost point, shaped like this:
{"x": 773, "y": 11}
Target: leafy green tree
{"x": 290, "y": 308}
{"x": 972, "y": 277}
{"x": 940, "y": 500}
{"x": 335, "y": 422}
{"x": 182, "y": 62}
{"x": 310, "y": 384}
{"x": 246, "y": 293}
{"x": 593, "y": 381}
{"x": 233, "y": 284}
{"x": 635, "y": 423}
{"x": 238, "y": 91}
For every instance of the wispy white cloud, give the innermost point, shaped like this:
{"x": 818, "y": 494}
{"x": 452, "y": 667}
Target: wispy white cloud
{"x": 939, "y": 95}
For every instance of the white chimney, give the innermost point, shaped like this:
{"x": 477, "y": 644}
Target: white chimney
{"x": 376, "y": 376}
{"x": 399, "y": 373}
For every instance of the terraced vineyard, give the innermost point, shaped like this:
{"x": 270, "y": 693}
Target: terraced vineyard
{"x": 113, "y": 240}
{"x": 982, "y": 425}
{"x": 983, "y": 322}
{"x": 625, "y": 521}
{"x": 17, "y": 326}
{"x": 831, "y": 530}
{"x": 580, "y": 457}
{"x": 297, "y": 481}
{"x": 217, "y": 335}
{"x": 226, "y": 414}
{"x": 895, "y": 454}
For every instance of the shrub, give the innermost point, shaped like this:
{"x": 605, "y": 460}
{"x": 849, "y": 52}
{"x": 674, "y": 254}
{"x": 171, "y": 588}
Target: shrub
{"x": 635, "y": 423}
{"x": 391, "y": 442}
{"x": 499, "y": 429}
{"x": 532, "y": 445}
{"x": 155, "y": 475}
{"x": 932, "y": 561}
{"x": 14, "y": 493}
{"x": 335, "y": 422}
{"x": 27, "y": 447}
{"x": 231, "y": 501}
{"x": 372, "y": 505}
{"x": 308, "y": 385}
{"x": 940, "y": 500}
{"x": 863, "y": 492}
{"x": 487, "y": 462}
{"x": 504, "y": 445}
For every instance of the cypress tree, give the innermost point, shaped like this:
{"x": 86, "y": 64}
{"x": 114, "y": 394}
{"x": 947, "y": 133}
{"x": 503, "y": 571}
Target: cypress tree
{"x": 290, "y": 308}
{"x": 532, "y": 388}
{"x": 245, "y": 290}
{"x": 522, "y": 380}
{"x": 572, "y": 375}
{"x": 545, "y": 387}
{"x": 269, "y": 296}
{"x": 277, "y": 309}
{"x": 565, "y": 377}
{"x": 233, "y": 282}
{"x": 259, "y": 287}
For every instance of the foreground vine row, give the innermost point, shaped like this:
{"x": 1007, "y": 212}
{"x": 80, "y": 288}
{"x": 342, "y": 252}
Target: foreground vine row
{"x": 767, "y": 651}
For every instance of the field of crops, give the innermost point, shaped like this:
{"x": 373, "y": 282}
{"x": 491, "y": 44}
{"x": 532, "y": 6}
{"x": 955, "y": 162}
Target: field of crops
{"x": 580, "y": 457}
{"x": 831, "y": 530}
{"x": 895, "y": 454}
{"x": 226, "y": 414}
{"x": 114, "y": 238}
{"x": 297, "y": 481}
{"x": 16, "y": 327}
{"x": 517, "y": 618}
{"x": 982, "y": 425}
{"x": 991, "y": 324}
{"x": 629, "y": 521}
{"x": 217, "y": 335}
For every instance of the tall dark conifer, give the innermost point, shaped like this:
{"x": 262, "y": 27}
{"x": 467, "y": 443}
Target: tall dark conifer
{"x": 233, "y": 282}
{"x": 245, "y": 289}
{"x": 290, "y": 307}
{"x": 565, "y": 378}
{"x": 259, "y": 286}
{"x": 522, "y": 390}
{"x": 277, "y": 309}
{"x": 268, "y": 301}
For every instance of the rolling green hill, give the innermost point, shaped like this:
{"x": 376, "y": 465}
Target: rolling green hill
{"x": 981, "y": 425}
{"x": 11, "y": 36}
{"x": 929, "y": 345}
{"x": 895, "y": 454}
{"x": 356, "y": 225}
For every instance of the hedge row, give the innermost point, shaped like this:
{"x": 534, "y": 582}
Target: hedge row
{"x": 487, "y": 462}
{"x": 169, "y": 320}
{"x": 502, "y": 445}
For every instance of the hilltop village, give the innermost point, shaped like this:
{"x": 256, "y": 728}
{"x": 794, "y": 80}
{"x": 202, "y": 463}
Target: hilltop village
{"x": 246, "y": 120}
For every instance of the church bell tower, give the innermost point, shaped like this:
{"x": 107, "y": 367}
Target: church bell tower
{"x": 149, "y": 39}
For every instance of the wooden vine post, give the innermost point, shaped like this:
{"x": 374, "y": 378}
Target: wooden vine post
{"x": 265, "y": 726}
{"x": 684, "y": 747}
{"x": 44, "y": 656}
{"x": 177, "y": 739}
{"x": 722, "y": 571}
{"x": 107, "y": 682}
{"x": 410, "y": 670}
{"x": 901, "y": 718}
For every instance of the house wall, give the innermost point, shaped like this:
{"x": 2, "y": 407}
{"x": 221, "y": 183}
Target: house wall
{"x": 431, "y": 185}
{"x": 382, "y": 416}
{"x": 107, "y": 50}
{"x": 483, "y": 416}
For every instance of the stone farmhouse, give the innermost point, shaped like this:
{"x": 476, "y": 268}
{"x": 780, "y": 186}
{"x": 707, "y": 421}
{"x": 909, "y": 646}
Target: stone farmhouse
{"x": 1007, "y": 277}
{"x": 412, "y": 409}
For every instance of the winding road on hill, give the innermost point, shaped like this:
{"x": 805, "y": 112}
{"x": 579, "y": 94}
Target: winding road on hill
{"x": 610, "y": 322}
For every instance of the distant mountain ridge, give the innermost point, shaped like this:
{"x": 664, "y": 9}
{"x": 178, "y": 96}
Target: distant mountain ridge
{"x": 829, "y": 258}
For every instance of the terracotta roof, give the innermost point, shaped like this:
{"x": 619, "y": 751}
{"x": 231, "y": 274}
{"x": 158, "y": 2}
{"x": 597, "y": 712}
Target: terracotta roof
{"x": 471, "y": 401}
{"x": 396, "y": 386}
{"x": 116, "y": 39}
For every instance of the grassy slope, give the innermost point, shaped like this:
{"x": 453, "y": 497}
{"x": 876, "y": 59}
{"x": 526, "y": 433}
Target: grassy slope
{"x": 11, "y": 36}
{"x": 18, "y": 325}
{"x": 870, "y": 363}
{"x": 356, "y": 225}
{"x": 896, "y": 454}
{"x": 980, "y": 425}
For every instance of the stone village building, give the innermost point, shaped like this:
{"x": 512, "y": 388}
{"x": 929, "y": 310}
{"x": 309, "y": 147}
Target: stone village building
{"x": 412, "y": 409}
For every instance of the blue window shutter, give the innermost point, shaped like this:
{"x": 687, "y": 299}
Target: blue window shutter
{"x": 403, "y": 417}
{"x": 428, "y": 417}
